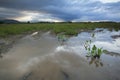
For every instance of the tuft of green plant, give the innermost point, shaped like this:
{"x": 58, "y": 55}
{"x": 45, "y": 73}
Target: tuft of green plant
{"x": 93, "y": 51}
{"x": 62, "y": 37}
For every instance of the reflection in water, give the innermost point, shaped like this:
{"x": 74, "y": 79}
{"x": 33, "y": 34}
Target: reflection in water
{"x": 96, "y": 61}
{"x": 115, "y": 36}
{"x": 47, "y": 70}
{"x": 102, "y": 39}
{"x": 25, "y": 77}
{"x": 112, "y": 53}
{"x": 41, "y": 57}
{"x": 62, "y": 38}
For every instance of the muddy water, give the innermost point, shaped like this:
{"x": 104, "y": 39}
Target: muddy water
{"x": 42, "y": 57}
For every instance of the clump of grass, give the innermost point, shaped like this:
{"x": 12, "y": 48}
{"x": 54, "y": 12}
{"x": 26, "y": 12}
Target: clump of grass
{"x": 93, "y": 51}
{"x": 62, "y": 38}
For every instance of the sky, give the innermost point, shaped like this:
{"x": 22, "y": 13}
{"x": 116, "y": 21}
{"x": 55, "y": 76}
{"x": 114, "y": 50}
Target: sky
{"x": 60, "y": 10}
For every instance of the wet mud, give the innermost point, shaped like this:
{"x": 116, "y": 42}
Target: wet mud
{"x": 42, "y": 57}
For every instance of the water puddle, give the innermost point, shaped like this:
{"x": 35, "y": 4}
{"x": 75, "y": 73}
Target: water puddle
{"x": 40, "y": 56}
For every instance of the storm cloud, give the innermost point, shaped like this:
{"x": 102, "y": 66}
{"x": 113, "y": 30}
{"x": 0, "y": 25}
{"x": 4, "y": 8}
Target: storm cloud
{"x": 60, "y": 10}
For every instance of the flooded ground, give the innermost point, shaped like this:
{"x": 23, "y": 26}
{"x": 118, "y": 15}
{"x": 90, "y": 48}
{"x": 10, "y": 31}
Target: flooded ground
{"x": 43, "y": 57}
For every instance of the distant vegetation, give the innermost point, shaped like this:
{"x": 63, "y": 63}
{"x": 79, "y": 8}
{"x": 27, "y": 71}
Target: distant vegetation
{"x": 66, "y": 28}
{"x": 8, "y": 21}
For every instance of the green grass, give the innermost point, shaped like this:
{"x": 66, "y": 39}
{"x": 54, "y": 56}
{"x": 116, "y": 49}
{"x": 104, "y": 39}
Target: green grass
{"x": 66, "y": 28}
{"x": 92, "y": 51}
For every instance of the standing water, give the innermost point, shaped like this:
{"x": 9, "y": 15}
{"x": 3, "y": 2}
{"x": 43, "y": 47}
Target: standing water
{"x": 42, "y": 57}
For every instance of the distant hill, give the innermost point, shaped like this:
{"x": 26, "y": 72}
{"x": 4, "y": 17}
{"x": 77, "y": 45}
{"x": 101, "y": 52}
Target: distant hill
{"x": 8, "y": 21}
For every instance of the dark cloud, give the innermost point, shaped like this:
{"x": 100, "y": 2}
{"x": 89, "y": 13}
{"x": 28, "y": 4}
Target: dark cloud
{"x": 9, "y": 13}
{"x": 29, "y": 4}
{"x": 62, "y": 9}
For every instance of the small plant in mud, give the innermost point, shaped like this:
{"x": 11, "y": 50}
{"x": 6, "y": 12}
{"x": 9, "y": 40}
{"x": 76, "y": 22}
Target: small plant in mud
{"x": 62, "y": 38}
{"x": 92, "y": 51}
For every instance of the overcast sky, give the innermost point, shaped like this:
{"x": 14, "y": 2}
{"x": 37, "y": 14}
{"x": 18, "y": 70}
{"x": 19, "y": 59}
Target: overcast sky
{"x": 60, "y": 10}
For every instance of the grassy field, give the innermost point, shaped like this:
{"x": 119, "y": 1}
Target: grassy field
{"x": 67, "y": 28}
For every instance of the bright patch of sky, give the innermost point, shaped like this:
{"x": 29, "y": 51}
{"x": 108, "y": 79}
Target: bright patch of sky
{"x": 109, "y": 1}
